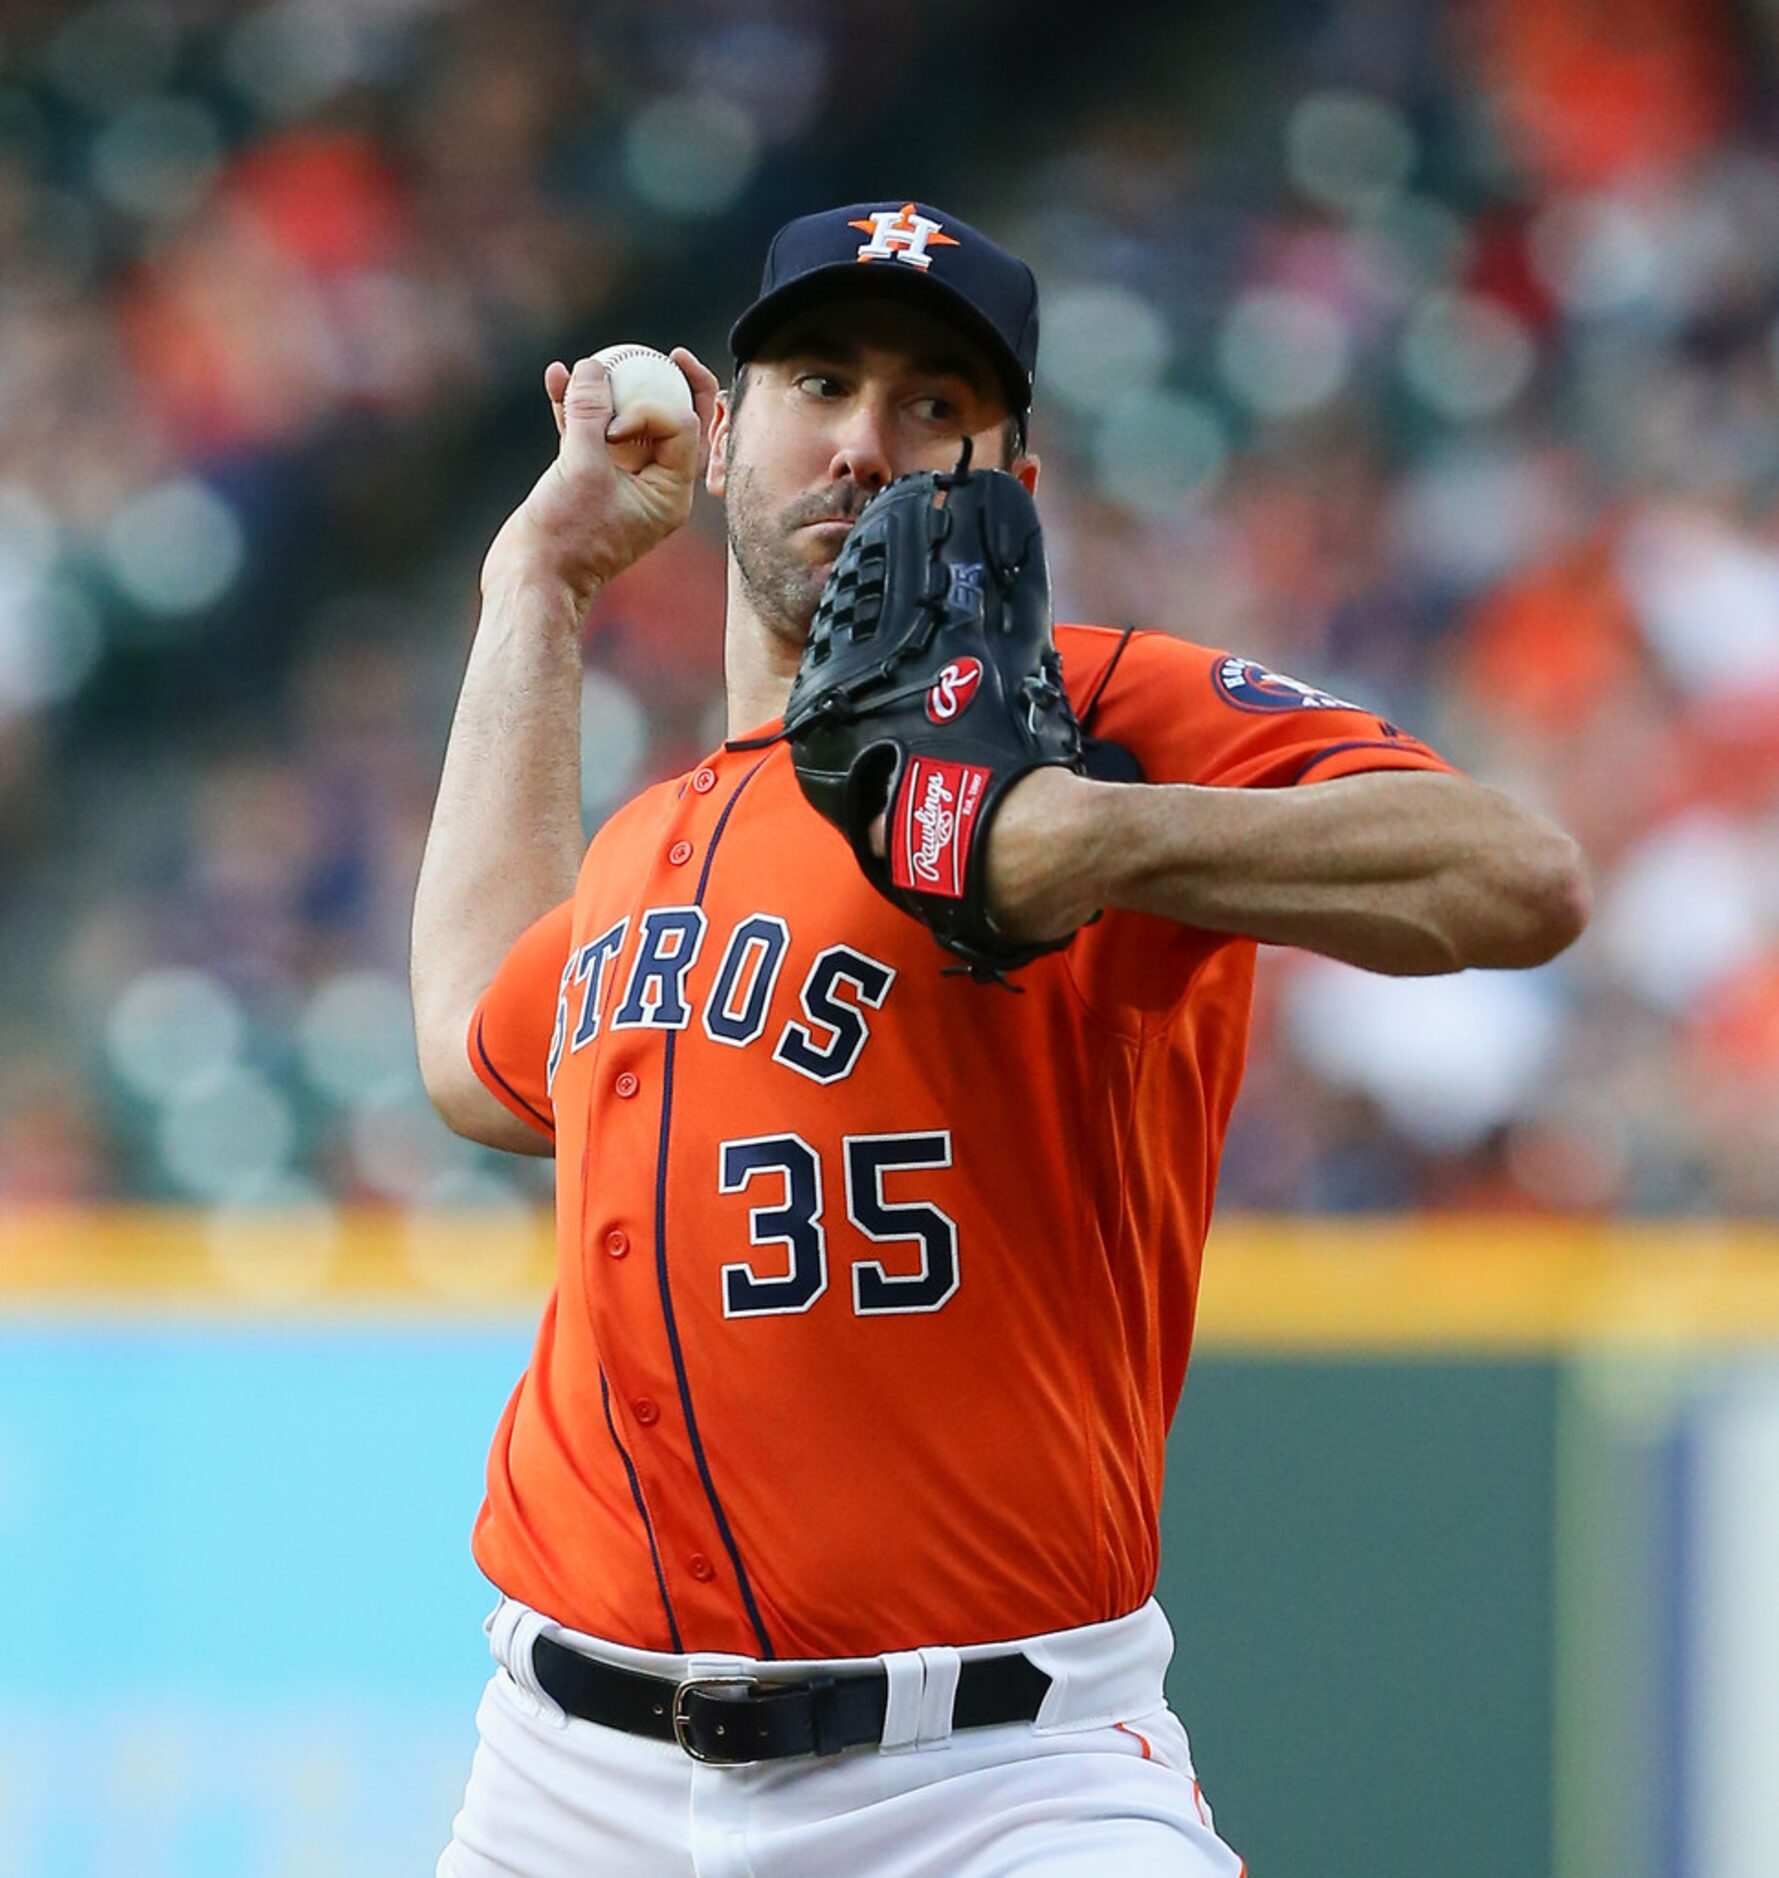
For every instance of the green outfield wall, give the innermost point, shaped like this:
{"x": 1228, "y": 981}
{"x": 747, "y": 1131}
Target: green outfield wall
{"x": 1358, "y": 1561}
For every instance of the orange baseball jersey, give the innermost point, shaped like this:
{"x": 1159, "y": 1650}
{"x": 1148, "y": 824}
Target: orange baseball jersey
{"x": 875, "y": 1285}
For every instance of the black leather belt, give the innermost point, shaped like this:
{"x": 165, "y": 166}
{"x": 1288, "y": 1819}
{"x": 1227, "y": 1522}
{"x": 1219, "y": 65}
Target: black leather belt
{"x": 733, "y": 1721}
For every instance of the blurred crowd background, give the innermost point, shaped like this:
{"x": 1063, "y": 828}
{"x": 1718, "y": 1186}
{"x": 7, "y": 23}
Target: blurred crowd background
{"x": 1426, "y": 352}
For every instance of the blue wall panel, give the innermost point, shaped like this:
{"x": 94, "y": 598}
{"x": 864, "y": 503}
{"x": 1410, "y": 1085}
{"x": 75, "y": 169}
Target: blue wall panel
{"x": 242, "y": 1628}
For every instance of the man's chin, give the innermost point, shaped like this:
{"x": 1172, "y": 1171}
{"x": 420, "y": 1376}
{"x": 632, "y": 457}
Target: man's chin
{"x": 793, "y": 604}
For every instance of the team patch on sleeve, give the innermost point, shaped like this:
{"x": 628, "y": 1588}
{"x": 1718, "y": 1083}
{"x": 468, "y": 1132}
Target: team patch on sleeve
{"x": 1251, "y": 687}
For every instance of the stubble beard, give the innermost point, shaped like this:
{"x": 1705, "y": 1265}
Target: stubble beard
{"x": 782, "y": 585}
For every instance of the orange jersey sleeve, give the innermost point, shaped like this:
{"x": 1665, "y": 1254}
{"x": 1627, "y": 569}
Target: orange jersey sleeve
{"x": 1192, "y": 714}
{"x": 510, "y": 1032}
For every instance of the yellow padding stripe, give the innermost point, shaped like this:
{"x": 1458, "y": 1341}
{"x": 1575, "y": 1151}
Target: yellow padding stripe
{"x": 274, "y": 1264}
{"x": 1486, "y": 1284}
{"x": 1400, "y": 1284}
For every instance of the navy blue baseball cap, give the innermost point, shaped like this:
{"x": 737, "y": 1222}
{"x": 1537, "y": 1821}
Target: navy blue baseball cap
{"x": 911, "y": 250}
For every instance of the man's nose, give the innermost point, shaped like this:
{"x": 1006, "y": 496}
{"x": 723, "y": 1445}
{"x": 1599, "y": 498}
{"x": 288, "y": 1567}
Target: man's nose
{"x": 862, "y": 449}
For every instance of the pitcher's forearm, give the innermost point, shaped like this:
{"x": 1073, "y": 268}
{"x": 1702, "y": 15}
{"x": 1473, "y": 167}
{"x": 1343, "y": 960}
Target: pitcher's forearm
{"x": 1398, "y": 873}
{"x": 506, "y": 838}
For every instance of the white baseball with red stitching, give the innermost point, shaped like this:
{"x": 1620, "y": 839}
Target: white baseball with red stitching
{"x": 641, "y": 374}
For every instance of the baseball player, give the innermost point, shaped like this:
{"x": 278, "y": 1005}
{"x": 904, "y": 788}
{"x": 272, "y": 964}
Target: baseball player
{"x": 824, "y": 1517}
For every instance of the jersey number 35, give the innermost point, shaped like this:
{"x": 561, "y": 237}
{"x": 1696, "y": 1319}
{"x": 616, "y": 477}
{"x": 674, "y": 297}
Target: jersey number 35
{"x": 796, "y": 1222}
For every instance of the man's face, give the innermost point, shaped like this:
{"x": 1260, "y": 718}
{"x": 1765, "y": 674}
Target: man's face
{"x": 844, "y": 399}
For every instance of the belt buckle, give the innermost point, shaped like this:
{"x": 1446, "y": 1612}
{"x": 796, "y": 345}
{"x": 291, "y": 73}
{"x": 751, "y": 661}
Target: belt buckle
{"x": 682, "y": 1722}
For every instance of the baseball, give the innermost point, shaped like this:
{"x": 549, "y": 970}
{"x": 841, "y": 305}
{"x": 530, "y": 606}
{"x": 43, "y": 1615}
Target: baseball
{"x": 640, "y": 374}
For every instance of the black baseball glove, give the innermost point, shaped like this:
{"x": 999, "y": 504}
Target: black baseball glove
{"x": 930, "y": 684}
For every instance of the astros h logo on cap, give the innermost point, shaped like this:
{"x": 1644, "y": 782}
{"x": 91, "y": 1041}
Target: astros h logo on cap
{"x": 902, "y": 237}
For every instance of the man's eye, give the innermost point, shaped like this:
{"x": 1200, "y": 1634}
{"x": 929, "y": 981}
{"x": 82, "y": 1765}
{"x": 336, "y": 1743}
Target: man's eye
{"x": 819, "y": 385}
{"x": 936, "y": 410}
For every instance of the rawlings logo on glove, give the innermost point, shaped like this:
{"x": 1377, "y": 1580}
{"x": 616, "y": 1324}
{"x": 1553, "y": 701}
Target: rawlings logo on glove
{"x": 929, "y": 685}
{"x": 939, "y": 804}
{"x": 956, "y": 687}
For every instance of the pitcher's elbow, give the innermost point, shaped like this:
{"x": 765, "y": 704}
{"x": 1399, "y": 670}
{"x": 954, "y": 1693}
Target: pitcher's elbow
{"x": 1564, "y": 895}
{"x": 1551, "y": 899}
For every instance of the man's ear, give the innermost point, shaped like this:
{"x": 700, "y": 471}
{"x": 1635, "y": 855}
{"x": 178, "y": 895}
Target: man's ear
{"x": 716, "y": 471}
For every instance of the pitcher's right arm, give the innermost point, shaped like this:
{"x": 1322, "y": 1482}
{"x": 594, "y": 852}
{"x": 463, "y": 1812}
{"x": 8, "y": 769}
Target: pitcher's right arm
{"x": 506, "y": 841}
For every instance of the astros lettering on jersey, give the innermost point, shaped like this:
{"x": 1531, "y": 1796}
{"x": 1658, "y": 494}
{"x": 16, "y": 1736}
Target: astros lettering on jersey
{"x": 875, "y": 1285}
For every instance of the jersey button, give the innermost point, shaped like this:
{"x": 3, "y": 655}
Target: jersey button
{"x": 701, "y": 1568}
{"x": 617, "y": 1242}
{"x": 680, "y": 853}
{"x": 625, "y": 1084}
{"x": 705, "y": 781}
{"x": 645, "y": 1411}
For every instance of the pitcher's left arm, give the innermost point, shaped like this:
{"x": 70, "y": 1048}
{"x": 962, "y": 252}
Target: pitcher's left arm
{"x": 1403, "y": 871}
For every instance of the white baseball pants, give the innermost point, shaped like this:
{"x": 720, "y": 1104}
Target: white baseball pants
{"x": 1101, "y": 1782}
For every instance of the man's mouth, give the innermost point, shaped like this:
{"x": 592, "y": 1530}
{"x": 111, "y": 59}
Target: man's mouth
{"x": 832, "y": 522}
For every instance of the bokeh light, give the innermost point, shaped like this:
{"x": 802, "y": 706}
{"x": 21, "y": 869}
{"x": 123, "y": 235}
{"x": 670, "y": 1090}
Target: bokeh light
{"x": 1685, "y": 910}
{"x": 1156, "y": 453}
{"x": 293, "y": 56}
{"x": 1348, "y": 150}
{"x": 1467, "y": 356}
{"x": 1283, "y": 354}
{"x": 157, "y": 157}
{"x": 356, "y": 1037}
{"x": 1396, "y": 1039}
{"x": 174, "y": 1030}
{"x": 1100, "y": 342}
{"x": 176, "y": 548}
{"x": 227, "y": 1135}
{"x": 276, "y": 1239}
{"x": 691, "y": 153}
{"x": 50, "y": 640}
{"x": 1598, "y": 254}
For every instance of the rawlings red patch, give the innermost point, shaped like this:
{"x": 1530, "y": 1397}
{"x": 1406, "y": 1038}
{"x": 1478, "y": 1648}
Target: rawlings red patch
{"x": 935, "y": 824}
{"x": 953, "y": 690}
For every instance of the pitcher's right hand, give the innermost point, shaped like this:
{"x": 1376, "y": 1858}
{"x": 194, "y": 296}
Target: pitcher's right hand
{"x": 586, "y": 519}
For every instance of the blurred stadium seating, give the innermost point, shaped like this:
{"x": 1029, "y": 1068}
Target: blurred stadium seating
{"x": 1425, "y": 352}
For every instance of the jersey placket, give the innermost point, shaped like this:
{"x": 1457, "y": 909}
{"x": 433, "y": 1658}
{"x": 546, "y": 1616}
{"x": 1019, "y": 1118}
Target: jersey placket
{"x": 650, "y": 1396}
